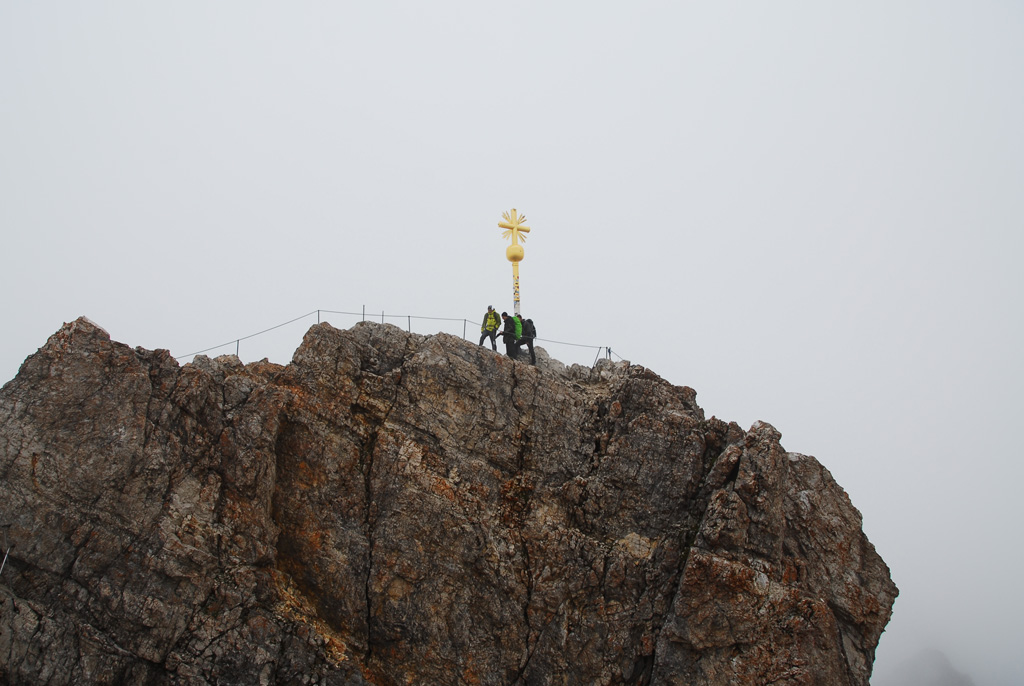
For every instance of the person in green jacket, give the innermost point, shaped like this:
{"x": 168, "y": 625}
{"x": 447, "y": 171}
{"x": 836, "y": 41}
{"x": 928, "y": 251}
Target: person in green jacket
{"x": 528, "y": 334}
{"x": 489, "y": 329}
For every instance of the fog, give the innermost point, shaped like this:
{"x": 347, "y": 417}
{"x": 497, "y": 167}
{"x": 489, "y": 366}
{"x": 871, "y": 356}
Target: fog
{"x": 810, "y": 214}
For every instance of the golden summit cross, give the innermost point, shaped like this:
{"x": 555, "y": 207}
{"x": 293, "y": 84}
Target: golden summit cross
{"x": 513, "y": 226}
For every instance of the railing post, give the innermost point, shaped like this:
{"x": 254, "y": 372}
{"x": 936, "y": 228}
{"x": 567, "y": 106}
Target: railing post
{"x": 6, "y": 553}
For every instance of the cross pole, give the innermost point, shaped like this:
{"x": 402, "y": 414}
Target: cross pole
{"x": 513, "y": 225}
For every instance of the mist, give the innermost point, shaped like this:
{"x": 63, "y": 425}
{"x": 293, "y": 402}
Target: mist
{"x": 809, "y": 214}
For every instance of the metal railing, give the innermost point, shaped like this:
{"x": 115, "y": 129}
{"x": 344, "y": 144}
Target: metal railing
{"x": 407, "y": 318}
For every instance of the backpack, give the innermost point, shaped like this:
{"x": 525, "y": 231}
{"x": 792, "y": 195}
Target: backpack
{"x": 529, "y": 330}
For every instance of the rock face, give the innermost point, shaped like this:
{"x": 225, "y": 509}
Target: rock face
{"x": 392, "y": 508}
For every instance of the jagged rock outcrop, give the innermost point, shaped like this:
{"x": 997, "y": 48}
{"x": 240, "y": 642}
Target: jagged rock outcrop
{"x": 391, "y": 508}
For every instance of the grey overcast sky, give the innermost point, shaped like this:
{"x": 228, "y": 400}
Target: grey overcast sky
{"x": 809, "y": 212}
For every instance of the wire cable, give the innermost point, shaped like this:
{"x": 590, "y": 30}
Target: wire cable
{"x": 252, "y": 335}
{"x": 578, "y": 345}
{"x": 409, "y": 317}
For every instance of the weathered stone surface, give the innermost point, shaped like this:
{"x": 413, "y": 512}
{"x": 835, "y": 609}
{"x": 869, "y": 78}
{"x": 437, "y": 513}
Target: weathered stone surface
{"x": 392, "y": 508}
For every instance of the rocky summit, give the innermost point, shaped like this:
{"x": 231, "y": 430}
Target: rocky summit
{"x": 391, "y": 508}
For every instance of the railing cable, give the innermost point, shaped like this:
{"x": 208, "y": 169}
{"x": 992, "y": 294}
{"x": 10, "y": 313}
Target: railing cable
{"x": 252, "y": 335}
{"x": 408, "y": 317}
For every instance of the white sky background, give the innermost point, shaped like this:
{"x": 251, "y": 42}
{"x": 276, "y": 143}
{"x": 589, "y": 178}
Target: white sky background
{"x": 810, "y": 214}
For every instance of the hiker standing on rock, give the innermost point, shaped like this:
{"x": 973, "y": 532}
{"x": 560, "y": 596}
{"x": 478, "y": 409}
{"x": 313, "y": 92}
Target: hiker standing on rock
{"x": 508, "y": 335}
{"x": 528, "y": 334}
{"x": 489, "y": 329}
